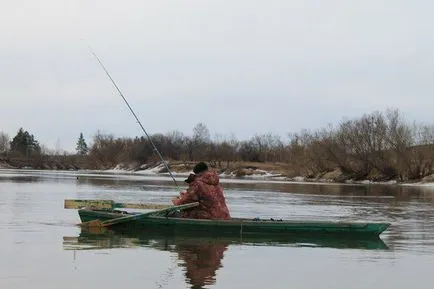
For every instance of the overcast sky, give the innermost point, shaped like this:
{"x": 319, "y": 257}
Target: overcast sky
{"x": 243, "y": 67}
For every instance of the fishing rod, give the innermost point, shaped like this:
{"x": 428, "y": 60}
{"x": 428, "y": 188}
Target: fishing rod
{"x": 123, "y": 97}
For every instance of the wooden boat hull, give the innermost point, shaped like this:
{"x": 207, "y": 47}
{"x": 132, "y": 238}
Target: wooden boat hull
{"x": 238, "y": 226}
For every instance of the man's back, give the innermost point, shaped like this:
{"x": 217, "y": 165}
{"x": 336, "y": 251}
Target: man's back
{"x": 205, "y": 189}
{"x": 212, "y": 203}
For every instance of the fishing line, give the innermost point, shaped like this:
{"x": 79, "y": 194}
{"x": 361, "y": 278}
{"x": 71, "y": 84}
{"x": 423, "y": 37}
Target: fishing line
{"x": 138, "y": 121}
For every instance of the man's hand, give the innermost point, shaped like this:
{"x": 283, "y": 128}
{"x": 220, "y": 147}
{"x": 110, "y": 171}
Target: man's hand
{"x": 175, "y": 201}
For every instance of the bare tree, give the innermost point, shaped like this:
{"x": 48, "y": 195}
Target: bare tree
{"x": 178, "y": 144}
{"x": 4, "y": 142}
{"x": 223, "y": 149}
{"x": 106, "y": 150}
{"x": 366, "y": 141}
{"x": 200, "y": 142}
{"x": 422, "y": 153}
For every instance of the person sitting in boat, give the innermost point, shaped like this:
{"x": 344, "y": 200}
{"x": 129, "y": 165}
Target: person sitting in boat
{"x": 205, "y": 188}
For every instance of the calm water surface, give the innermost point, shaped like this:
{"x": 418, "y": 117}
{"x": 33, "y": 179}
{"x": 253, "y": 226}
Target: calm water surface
{"x": 41, "y": 246}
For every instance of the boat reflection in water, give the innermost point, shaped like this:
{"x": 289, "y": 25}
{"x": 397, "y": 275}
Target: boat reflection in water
{"x": 202, "y": 256}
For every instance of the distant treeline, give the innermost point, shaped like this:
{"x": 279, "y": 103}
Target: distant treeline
{"x": 380, "y": 145}
{"x": 376, "y": 146}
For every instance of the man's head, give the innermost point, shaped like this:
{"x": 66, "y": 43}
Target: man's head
{"x": 200, "y": 168}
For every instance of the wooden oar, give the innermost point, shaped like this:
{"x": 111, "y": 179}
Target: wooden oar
{"x": 98, "y": 223}
{"x": 109, "y": 205}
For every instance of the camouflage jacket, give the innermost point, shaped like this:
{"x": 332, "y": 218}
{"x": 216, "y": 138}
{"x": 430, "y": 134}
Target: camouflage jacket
{"x": 206, "y": 190}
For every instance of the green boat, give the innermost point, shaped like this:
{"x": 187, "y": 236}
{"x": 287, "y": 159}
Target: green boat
{"x": 235, "y": 227}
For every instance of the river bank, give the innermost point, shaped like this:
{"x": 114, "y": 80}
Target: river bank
{"x": 270, "y": 172}
{"x": 257, "y": 174}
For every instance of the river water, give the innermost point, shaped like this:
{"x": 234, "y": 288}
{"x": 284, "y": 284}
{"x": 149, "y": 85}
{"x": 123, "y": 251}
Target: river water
{"x": 41, "y": 246}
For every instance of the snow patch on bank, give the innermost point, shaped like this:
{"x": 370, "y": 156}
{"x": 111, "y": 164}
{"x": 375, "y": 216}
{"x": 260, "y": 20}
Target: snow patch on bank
{"x": 145, "y": 170}
{"x": 4, "y": 165}
{"x": 419, "y": 184}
